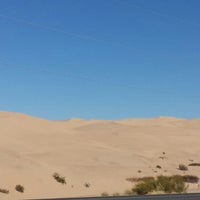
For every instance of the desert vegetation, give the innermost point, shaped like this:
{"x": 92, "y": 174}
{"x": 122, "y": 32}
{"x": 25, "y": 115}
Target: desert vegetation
{"x": 59, "y": 178}
{"x": 116, "y": 194}
{"x": 158, "y": 166}
{"x": 182, "y": 167}
{"x": 128, "y": 192}
{"x": 4, "y": 191}
{"x": 104, "y": 194}
{"x": 19, "y": 188}
{"x": 190, "y": 179}
{"x": 87, "y": 185}
{"x": 194, "y": 164}
{"x": 166, "y": 184}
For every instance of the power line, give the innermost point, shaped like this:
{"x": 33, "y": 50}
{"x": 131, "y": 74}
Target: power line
{"x": 109, "y": 83}
{"x": 159, "y": 13}
{"x": 80, "y": 77}
{"x": 66, "y": 33}
{"x": 49, "y": 28}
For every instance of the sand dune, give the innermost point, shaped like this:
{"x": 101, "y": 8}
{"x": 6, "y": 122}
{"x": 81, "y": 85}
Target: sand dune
{"x": 102, "y": 153}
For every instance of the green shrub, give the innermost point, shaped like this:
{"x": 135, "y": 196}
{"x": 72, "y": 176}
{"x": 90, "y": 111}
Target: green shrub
{"x": 142, "y": 188}
{"x": 163, "y": 184}
{"x": 171, "y": 184}
{"x": 177, "y": 184}
{"x": 19, "y": 188}
{"x": 59, "y": 178}
{"x": 167, "y": 184}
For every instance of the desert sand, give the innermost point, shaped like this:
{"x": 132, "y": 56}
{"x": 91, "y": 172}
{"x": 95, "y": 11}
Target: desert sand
{"x": 102, "y": 153}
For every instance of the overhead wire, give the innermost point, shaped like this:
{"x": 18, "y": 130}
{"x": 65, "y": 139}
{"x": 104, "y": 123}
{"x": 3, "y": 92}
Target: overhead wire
{"x": 68, "y": 75}
{"x": 158, "y": 13}
{"x": 66, "y": 33}
{"x": 109, "y": 83}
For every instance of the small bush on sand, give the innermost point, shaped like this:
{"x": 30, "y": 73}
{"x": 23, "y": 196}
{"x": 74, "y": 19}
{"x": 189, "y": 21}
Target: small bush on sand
{"x": 19, "y": 188}
{"x": 146, "y": 186}
{"x": 87, "y": 185}
{"x": 158, "y": 166}
{"x": 59, "y": 178}
{"x": 183, "y": 167}
{"x": 129, "y": 193}
{"x": 171, "y": 184}
{"x": 4, "y": 191}
{"x": 104, "y": 194}
{"x": 161, "y": 183}
{"x": 116, "y": 194}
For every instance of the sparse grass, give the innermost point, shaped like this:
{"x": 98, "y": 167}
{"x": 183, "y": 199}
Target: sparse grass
{"x": 133, "y": 179}
{"x": 194, "y": 164}
{"x": 129, "y": 193}
{"x": 116, "y": 194}
{"x": 59, "y": 178}
{"x": 171, "y": 184}
{"x": 104, "y": 194}
{"x": 4, "y": 191}
{"x": 19, "y": 188}
{"x": 146, "y": 179}
{"x": 145, "y": 186}
{"x": 182, "y": 167}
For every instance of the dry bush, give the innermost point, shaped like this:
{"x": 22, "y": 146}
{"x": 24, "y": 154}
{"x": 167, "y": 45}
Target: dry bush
{"x": 158, "y": 166}
{"x": 4, "y": 191}
{"x": 19, "y": 188}
{"x": 182, "y": 167}
{"x": 87, "y": 185}
{"x": 190, "y": 179}
{"x": 59, "y": 178}
{"x": 194, "y": 164}
{"x": 104, "y": 194}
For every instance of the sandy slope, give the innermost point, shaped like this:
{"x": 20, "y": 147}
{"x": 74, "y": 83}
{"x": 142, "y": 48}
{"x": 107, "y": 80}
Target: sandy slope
{"x": 102, "y": 153}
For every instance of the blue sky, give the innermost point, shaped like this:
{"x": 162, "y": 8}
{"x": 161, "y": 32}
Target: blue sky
{"x": 102, "y": 59}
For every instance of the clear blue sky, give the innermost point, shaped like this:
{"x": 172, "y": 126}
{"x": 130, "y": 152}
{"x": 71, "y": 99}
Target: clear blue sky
{"x": 103, "y": 59}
